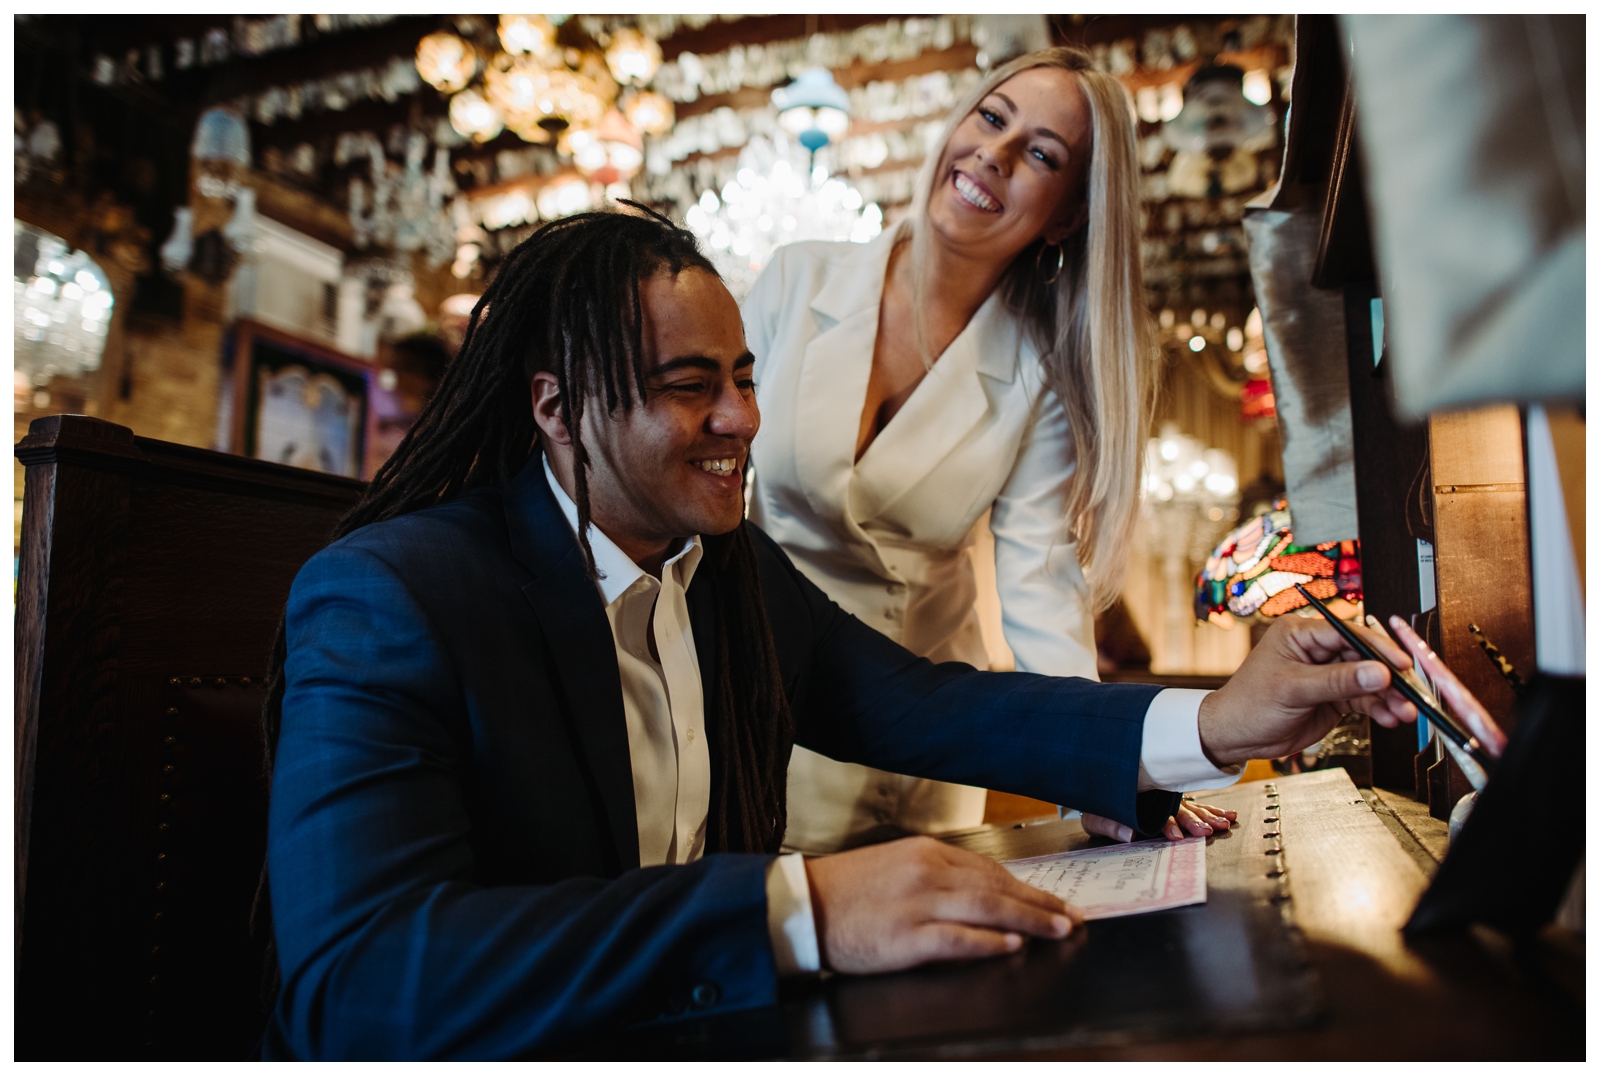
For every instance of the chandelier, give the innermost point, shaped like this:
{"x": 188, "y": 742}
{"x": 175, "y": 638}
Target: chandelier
{"x": 533, "y": 87}
{"x": 446, "y": 62}
{"x": 1180, "y": 469}
{"x": 608, "y": 153}
{"x": 813, "y": 108}
{"x": 776, "y": 197}
{"x": 63, "y": 307}
{"x": 405, "y": 209}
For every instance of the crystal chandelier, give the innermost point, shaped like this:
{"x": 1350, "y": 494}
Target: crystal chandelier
{"x": 406, "y": 210}
{"x": 532, "y": 88}
{"x": 776, "y": 197}
{"x": 63, "y": 307}
{"x": 1179, "y": 467}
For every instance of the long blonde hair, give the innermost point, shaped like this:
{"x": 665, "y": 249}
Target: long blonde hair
{"x": 1091, "y": 326}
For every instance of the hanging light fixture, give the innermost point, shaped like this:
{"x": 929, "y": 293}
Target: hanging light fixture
{"x": 650, "y": 112}
{"x": 514, "y": 86}
{"x": 1216, "y": 117}
{"x": 446, "y": 62}
{"x": 563, "y": 196}
{"x": 221, "y": 136}
{"x": 475, "y": 117}
{"x": 777, "y": 196}
{"x": 533, "y": 34}
{"x": 609, "y": 152}
{"x": 813, "y": 108}
{"x": 569, "y": 96}
{"x": 633, "y": 58}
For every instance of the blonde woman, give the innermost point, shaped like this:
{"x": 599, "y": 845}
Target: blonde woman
{"x": 992, "y": 354}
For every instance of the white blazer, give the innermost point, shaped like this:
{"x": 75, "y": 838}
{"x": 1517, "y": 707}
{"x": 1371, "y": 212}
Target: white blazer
{"x": 887, "y": 537}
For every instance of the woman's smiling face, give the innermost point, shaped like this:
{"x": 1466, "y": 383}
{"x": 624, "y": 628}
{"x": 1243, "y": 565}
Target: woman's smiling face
{"x": 1015, "y": 167}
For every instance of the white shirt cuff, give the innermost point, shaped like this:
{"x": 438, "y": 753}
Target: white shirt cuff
{"x": 789, "y": 920}
{"x": 1170, "y": 756}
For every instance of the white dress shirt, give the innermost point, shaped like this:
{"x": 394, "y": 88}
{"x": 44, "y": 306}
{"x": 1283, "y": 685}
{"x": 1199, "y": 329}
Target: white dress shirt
{"x": 664, "y": 705}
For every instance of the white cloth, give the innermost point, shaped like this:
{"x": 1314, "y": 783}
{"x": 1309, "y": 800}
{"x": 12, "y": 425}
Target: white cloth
{"x": 887, "y": 537}
{"x": 1170, "y": 755}
{"x": 665, "y": 710}
{"x": 664, "y": 706}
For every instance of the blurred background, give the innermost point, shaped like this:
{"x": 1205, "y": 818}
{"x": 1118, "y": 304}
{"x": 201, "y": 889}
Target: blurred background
{"x": 264, "y": 234}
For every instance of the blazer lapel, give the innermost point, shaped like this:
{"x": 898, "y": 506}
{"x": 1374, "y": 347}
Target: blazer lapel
{"x": 574, "y": 620}
{"x": 940, "y": 412}
{"x": 833, "y": 379}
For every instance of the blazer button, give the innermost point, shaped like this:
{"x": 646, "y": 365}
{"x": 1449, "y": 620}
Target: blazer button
{"x": 705, "y": 995}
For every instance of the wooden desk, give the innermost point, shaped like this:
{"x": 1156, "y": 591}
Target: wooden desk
{"x": 1297, "y": 954}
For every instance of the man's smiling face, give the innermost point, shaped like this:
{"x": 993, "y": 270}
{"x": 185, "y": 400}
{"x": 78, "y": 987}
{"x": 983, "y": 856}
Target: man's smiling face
{"x": 673, "y": 465}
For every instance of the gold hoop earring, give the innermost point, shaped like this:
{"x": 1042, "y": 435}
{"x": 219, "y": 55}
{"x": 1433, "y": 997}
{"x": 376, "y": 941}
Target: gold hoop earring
{"x": 1061, "y": 261}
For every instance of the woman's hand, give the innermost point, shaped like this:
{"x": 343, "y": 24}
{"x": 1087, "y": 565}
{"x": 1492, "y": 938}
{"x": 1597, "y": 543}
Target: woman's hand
{"x": 1192, "y": 820}
{"x": 1451, "y": 690}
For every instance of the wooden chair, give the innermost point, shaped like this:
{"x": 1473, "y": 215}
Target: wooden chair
{"x": 151, "y": 581}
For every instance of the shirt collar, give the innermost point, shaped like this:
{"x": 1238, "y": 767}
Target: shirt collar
{"x": 616, "y": 569}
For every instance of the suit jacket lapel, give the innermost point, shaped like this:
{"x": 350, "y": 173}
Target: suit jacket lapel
{"x": 573, "y": 617}
{"x": 833, "y": 380}
{"x": 941, "y": 411}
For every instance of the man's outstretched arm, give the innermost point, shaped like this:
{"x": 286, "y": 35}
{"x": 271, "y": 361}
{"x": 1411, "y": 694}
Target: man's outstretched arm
{"x": 1063, "y": 740}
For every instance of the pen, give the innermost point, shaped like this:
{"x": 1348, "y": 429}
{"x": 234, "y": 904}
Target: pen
{"x": 1402, "y": 683}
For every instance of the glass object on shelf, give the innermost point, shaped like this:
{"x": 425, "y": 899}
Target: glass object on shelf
{"x": 221, "y": 135}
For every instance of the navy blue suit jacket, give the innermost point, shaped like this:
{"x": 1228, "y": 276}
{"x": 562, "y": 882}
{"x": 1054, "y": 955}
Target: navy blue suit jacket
{"x": 453, "y": 853}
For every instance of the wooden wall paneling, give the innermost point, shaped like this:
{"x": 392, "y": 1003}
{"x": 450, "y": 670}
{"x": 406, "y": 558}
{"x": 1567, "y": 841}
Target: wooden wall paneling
{"x": 145, "y": 563}
{"x": 1481, "y": 558}
{"x": 1481, "y": 561}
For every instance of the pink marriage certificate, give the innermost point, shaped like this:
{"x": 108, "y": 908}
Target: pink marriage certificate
{"x": 1122, "y": 879}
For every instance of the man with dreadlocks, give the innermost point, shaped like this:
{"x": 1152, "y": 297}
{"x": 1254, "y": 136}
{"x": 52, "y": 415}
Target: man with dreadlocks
{"x": 533, "y": 710}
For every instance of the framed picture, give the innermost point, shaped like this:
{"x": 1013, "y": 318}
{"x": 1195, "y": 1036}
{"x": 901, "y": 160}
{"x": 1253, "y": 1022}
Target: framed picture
{"x": 297, "y": 402}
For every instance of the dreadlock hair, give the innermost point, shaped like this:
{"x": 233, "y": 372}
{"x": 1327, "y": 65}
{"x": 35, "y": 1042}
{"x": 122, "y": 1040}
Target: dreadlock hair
{"x": 566, "y": 301}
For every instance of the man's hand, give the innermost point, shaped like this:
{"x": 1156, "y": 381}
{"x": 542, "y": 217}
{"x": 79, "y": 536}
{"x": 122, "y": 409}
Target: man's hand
{"x": 914, "y": 901}
{"x": 1294, "y": 687}
{"x": 1193, "y": 820}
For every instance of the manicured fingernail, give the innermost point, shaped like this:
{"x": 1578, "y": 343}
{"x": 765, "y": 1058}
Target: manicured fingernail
{"x": 1205, "y": 827}
{"x": 1013, "y": 941}
{"x": 1370, "y": 676}
{"x": 1061, "y": 925}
